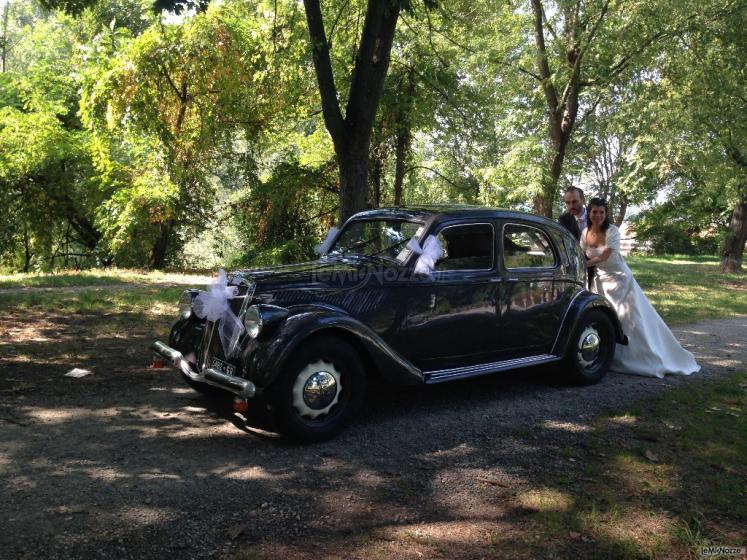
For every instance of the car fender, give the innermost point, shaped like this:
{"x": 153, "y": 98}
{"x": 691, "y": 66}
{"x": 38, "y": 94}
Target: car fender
{"x": 582, "y": 302}
{"x": 267, "y": 355}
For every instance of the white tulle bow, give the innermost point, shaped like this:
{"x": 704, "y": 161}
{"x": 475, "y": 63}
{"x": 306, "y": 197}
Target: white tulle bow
{"x": 327, "y": 243}
{"x": 429, "y": 253}
{"x": 214, "y": 306}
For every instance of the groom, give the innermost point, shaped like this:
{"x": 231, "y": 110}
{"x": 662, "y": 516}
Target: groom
{"x": 574, "y": 218}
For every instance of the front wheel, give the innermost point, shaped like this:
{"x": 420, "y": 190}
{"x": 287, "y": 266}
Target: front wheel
{"x": 591, "y": 349}
{"x": 319, "y": 391}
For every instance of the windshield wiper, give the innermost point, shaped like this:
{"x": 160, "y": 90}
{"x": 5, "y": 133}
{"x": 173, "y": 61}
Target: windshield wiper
{"x": 393, "y": 246}
{"x": 358, "y": 245}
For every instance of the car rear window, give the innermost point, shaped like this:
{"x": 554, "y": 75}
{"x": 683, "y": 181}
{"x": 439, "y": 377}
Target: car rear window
{"x": 466, "y": 247}
{"x": 525, "y": 246}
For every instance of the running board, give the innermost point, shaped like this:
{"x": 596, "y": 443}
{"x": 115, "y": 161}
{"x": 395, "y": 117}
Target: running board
{"x": 441, "y": 375}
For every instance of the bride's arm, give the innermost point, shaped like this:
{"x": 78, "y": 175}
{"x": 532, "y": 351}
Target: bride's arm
{"x": 593, "y": 261}
{"x": 612, "y": 242}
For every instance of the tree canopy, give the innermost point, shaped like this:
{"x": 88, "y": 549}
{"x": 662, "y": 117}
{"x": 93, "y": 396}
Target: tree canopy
{"x": 191, "y": 133}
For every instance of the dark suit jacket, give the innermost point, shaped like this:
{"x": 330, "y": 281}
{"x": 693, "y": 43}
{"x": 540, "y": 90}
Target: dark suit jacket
{"x": 568, "y": 220}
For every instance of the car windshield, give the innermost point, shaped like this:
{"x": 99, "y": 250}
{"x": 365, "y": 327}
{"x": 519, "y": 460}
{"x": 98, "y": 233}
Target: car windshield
{"x": 385, "y": 238}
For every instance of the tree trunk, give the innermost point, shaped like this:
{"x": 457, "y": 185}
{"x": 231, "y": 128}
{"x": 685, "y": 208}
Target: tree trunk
{"x": 561, "y": 110}
{"x": 401, "y": 151}
{"x": 621, "y": 213}
{"x": 26, "y": 250}
{"x": 88, "y": 235}
{"x": 353, "y": 183}
{"x": 562, "y": 103}
{"x": 351, "y": 135}
{"x": 4, "y": 41}
{"x": 376, "y": 181}
{"x": 731, "y": 256}
{"x": 158, "y": 254}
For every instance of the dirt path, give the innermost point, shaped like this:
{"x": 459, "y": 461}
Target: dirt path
{"x": 129, "y": 463}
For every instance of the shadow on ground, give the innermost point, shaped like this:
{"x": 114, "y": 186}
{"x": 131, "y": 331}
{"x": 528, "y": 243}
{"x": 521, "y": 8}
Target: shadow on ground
{"x": 129, "y": 461}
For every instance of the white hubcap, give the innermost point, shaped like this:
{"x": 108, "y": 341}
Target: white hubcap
{"x": 316, "y": 389}
{"x": 588, "y": 346}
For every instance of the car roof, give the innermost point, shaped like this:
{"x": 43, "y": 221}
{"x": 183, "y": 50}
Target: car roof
{"x": 445, "y": 212}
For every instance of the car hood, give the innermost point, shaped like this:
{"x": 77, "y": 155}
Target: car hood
{"x": 332, "y": 272}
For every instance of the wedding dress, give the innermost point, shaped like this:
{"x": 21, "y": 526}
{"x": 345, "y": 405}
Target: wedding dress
{"x": 652, "y": 348}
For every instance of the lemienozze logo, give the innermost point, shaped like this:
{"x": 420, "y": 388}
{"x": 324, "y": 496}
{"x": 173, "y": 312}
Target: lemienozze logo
{"x": 708, "y": 551}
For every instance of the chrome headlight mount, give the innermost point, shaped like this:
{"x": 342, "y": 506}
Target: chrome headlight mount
{"x": 253, "y": 321}
{"x": 259, "y": 318}
{"x": 185, "y": 303}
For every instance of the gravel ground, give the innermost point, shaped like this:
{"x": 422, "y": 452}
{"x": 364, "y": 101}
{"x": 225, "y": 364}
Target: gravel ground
{"x": 130, "y": 463}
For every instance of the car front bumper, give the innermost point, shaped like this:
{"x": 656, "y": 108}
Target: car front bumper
{"x": 231, "y": 383}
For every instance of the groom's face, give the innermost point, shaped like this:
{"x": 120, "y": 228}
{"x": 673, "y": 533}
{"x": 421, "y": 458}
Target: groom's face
{"x": 574, "y": 203}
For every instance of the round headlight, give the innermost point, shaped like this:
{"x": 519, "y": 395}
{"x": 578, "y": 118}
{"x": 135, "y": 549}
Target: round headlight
{"x": 253, "y": 321}
{"x": 185, "y": 304}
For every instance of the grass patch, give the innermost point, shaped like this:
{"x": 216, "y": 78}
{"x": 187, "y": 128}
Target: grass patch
{"x": 96, "y": 277}
{"x": 670, "y": 482}
{"x": 682, "y": 288}
{"x": 685, "y": 289}
{"x": 146, "y": 300}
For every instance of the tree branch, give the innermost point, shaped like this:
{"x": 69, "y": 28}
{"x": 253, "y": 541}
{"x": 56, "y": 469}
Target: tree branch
{"x": 594, "y": 29}
{"x": 323, "y": 67}
{"x": 435, "y": 88}
{"x": 430, "y": 39}
{"x": 170, "y": 81}
{"x": 337, "y": 20}
{"x": 542, "y": 63}
{"x": 444, "y": 177}
{"x": 371, "y": 65}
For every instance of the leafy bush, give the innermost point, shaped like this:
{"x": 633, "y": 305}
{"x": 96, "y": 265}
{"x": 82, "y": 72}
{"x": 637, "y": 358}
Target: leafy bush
{"x": 295, "y": 250}
{"x": 667, "y": 229}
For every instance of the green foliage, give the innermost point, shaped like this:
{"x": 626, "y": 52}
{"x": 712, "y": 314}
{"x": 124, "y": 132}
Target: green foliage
{"x": 132, "y": 137}
{"x": 46, "y": 177}
{"x": 286, "y": 215}
{"x": 179, "y": 113}
{"x": 688, "y": 224}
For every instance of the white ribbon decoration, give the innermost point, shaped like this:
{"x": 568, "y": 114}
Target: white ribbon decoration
{"x": 213, "y": 305}
{"x": 429, "y": 253}
{"x": 327, "y": 243}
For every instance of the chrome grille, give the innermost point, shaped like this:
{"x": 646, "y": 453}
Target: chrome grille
{"x": 211, "y": 345}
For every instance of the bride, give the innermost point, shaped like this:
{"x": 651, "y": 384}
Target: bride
{"x": 652, "y": 349}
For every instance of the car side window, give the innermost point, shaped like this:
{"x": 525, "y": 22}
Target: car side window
{"x": 466, "y": 247}
{"x": 526, "y": 247}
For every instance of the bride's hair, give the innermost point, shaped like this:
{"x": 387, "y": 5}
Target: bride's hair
{"x": 597, "y": 201}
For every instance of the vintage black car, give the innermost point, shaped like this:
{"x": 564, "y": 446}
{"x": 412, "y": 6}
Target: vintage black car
{"x": 412, "y": 295}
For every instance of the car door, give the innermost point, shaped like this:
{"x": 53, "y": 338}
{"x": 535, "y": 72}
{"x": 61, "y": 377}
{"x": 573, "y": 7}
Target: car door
{"x": 452, "y": 316}
{"x": 533, "y": 297}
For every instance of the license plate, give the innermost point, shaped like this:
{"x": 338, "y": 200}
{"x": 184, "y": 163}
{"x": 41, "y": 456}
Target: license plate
{"x": 222, "y": 366}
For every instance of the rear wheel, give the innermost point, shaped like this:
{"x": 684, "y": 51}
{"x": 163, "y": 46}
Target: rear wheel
{"x": 591, "y": 349}
{"x": 320, "y": 390}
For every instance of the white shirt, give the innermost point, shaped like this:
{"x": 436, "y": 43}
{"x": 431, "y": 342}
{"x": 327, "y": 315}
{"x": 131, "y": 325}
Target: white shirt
{"x": 581, "y": 220}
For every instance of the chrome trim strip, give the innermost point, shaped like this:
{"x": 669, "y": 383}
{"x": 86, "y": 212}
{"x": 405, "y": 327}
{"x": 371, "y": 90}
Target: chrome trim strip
{"x": 236, "y": 385}
{"x": 207, "y": 339}
{"x": 441, "y": 375}
{"x": 250, "y": 287}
